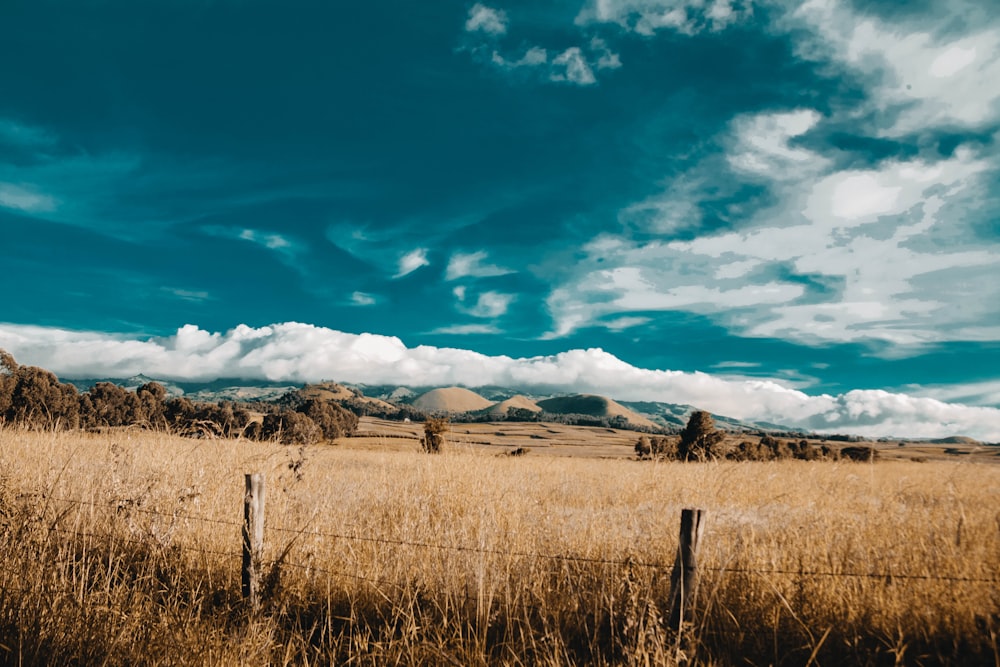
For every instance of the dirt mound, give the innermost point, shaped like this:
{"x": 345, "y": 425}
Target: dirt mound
{"x": 451, "y": 399}
{"x": 519, "y": 402}
{"x": 596, "y": 406}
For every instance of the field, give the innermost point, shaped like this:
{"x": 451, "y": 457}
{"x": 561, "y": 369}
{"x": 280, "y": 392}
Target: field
{"x": 124, "y": 548}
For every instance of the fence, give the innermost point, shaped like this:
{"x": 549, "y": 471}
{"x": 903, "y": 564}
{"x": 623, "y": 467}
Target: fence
{"x": 684, "y": 570}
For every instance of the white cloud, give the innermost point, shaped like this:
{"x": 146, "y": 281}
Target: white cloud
{"x": 473, "y": 264}
{"x": 295, "y": 352}
{"x": 489, "y": 304}
{"x": 623, "y": 323}
{"x": 24, "y": 199}
{"x": 467, "y": 330}
{"x": 187, "y": 295}
{"x": 571, "y": 66}
{"x": 887, "y": 253}
{"x": 267, "y": 239}
{"x": 486, "y": 19}
{"x": 412, "y": 261}
{"x": 762, "y": 144}
{"x": 363, "y": 299}
{"x": 986, "y": 393}
{"x": 535, "y": 56}
{"x": 920, "y": 80}
{"x": 606, "y": 58}
{"x": 646, "y": 17}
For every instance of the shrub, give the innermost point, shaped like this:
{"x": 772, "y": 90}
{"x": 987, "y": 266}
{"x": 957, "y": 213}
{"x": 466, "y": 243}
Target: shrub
{"x": 434, "y": 430}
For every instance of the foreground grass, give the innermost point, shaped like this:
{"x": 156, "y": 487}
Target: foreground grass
{"x": 124, "y": 549}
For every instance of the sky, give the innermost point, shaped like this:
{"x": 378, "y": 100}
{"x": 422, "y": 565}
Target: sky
{"x": 769, "y": 209}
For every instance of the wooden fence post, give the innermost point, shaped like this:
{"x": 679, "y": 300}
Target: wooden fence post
{"x": 684, "y": 577}
{"x": 253, "y": 537}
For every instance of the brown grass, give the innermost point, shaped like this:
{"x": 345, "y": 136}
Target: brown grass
{"x": 547, "y": 560}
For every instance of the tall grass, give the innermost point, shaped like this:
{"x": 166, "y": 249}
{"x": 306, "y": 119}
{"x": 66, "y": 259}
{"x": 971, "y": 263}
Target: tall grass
{"x": 124, "y": 549}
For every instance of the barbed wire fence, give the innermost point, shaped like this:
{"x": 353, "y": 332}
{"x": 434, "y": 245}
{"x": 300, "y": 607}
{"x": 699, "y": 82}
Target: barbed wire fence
{"x": 254, "y": 563}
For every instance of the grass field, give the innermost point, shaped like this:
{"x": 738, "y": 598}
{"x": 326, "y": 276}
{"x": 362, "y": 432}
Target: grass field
{"x": 123, "y": 548}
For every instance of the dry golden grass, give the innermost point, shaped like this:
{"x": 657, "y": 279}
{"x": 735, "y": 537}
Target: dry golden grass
{"x": 124, "y": 549}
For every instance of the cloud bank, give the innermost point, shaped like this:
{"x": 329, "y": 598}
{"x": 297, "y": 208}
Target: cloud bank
{"x": 296, "y": 352}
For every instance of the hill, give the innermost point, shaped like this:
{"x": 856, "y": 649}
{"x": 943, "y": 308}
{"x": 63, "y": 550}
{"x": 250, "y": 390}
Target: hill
{"x": 596, "y": 406}
{"x": 451, "y": 399}
{"x": 519, "y": 402}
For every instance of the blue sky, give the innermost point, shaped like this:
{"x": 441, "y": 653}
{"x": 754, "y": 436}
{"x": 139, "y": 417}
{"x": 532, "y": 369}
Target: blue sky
{"x": 795, "y": 196}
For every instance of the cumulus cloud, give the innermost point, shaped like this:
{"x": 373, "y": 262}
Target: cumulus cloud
{"x": 486, "y": 19}
{"x": 647, "y": 17}
{"x": 571, "y": 66}
{"x": 295, "y": 352}
{"x": 473, "y": 265}
{"x": 412, "y": 261}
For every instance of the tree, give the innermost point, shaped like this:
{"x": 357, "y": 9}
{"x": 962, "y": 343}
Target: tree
{"x": 700, "y": 440}
{"x": 113, "y": 405}
{"x": 333, "y": 420}
{"x": 290, "y": 428}
{"x": 8, "y": 371}
{"x": 152, "y": 401}
{"x": 39, "y": 401}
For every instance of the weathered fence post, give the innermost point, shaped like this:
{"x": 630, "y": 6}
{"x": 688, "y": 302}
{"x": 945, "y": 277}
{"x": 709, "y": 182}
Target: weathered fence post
{"x": 253, "y": 537}
{"x": 684, "y": 577}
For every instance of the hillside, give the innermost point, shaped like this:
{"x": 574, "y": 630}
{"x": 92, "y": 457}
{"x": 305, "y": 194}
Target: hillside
{"x": 518, "y": 402}
{"x": 451, "y": 399}
{"x": 596, "y": 406}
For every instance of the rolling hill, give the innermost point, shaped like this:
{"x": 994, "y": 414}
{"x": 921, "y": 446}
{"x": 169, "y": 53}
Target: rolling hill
{"x": 452, "y": 400}
{"x": 596, "y": 406}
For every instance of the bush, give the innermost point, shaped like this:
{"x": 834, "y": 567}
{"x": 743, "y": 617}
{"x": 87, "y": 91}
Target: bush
{"x": 434, "y": 430}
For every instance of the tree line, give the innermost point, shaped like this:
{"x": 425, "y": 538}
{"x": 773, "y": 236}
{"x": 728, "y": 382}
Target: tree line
{"x": 701, "y": 441}
{"x": 34, "y": 398}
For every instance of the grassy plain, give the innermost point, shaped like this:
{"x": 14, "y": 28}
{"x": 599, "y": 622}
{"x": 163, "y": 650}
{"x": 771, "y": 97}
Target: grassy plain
{"x": 123, "y": 548}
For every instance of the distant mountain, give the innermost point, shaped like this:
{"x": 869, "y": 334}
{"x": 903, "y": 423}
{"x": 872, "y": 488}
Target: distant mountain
{"x": 494, "y": 400}
{"x": 222, "y": 389}
{"x": 674, "y": 415}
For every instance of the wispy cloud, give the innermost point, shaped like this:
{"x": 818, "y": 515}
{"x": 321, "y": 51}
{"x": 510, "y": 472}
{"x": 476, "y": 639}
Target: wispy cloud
{"x": 467, "y": 330}
{"x": 363, "y": 299}
{"x": 296, "y": 352}
{"x": 490, "y": 305}
{"x": 196, "y": 296}
{"x": 24, "y": 199}
{"x": 412, "y": 261}
{"x": 487, "y": 20}
{"x": 918, "y": 79}
{"x": 843, "y": 254}
{"x": 473, "y": 265}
